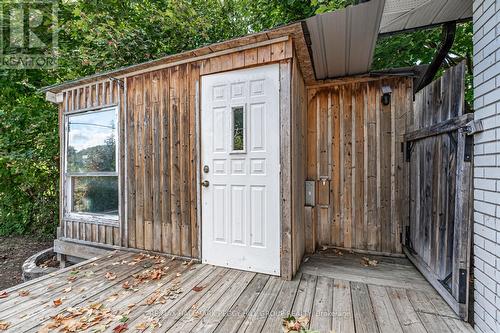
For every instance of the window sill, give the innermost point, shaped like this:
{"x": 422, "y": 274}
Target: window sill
{"x": 93, "y": 219}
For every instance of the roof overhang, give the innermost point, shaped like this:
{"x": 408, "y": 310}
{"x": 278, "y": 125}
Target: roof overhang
{"x": 404, "y": 15}
{"x": 343, "y": 41}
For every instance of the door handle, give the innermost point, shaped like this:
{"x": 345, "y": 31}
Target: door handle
{"x": 205, "y": 183}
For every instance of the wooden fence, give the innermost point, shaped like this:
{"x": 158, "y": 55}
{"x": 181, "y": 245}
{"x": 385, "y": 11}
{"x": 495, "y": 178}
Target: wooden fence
{"x": 439, "y": 171}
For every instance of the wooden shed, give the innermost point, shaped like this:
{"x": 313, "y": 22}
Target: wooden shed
{"x": 233, "y": 154}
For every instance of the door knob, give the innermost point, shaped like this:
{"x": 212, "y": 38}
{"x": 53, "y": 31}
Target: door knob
{"x": 205, "y": 183}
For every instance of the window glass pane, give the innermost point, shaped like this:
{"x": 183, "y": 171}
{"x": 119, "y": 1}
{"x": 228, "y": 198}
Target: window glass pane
{"x": 98, "y": 195}
{"x": 238, "y": 128}
{"x": 92, "y": 142}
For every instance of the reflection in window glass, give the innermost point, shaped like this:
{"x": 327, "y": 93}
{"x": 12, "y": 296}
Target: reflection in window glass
{"x": 238, "y": 129}
{"x": 92, "y": 142}
{"x": 97, "y": 195}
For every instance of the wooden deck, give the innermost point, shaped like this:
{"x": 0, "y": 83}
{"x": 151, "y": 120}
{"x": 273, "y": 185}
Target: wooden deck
{"x": 338, "y": 293}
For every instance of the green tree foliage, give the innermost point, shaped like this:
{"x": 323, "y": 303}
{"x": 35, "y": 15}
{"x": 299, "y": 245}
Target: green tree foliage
{"x": 98, "y": 35}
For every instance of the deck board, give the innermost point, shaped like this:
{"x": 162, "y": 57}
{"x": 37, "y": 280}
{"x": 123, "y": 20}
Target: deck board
{"x": 188, "y": 297}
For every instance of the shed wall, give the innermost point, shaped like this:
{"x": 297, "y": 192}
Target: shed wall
{"x": 355, "y": 157}
{"x": 159, "y": 142}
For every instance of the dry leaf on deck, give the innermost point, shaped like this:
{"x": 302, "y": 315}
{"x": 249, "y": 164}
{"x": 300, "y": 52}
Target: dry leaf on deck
{"x": 368, "y": 262}
{"x": 141, "y": 326}
{"x": 125, "y": 285}
{"x": 24, "y": 293}
{"x": 120, "y": 328}
{"x": 197, "y": 289}
{"x": 4, "y": 294}
{"x": 57, "y": 302}
{"x": 67, "y": 290}
{"x": 110, "y": 276}
{"x": 4, "y": 325}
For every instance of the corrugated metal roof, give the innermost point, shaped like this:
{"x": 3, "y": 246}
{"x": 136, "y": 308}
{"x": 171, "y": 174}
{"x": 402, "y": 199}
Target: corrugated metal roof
{"x": 342, "y": 42}
{"x": 400, "y": 15}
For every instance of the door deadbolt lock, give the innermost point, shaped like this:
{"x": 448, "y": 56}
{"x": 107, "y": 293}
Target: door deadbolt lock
{"x": 205, "y": 183}
{"x": 206, "y": 169}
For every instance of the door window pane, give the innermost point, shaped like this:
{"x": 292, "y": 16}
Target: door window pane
{"x": 238, "y": 128}
{"x": 92, "y": 142}
{"x": 98, "y": 195}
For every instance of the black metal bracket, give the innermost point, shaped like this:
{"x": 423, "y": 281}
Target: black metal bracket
{"x": 409, "y": 149}
{"x": 462, "y": 286}
{"x": 445, "y": 282}
{"x": 469, "y": 143}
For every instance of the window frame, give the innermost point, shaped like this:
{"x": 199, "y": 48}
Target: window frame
{"x": 97, "y": 218}
{"x": 245, "y": 128}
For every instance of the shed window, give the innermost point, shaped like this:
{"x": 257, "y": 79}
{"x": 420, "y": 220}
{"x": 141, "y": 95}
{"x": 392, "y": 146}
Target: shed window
{"x": 91, "y": 172}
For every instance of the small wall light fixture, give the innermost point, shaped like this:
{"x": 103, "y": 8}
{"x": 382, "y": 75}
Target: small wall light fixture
{"x": 386, "y": 95}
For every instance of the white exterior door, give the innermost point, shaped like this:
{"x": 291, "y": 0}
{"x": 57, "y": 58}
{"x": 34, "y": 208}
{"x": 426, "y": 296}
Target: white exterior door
{"x": 240, "y": 168}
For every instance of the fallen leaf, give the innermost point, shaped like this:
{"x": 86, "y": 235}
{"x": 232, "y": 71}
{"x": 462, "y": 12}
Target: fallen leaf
{"x": 125, "y": 285}
{"x": 120, "y": 328}
{"x": 110, "y": 276}
{"x": 24, "y": 293}
{"x": 141, "y": 326}
{"x": 4, "y": 294}
{"x": 72, "y": 278}
{"x": 67, "y": 290}
{"x": 197, "y": 289}
{"x": 123, "y": 319}
{"x": 57, "y": 302}
{"x": 368, "y": 262}
{"x": 292, "y": 324}
{"x": 4, "y": 325}
{"x": 339, "y": 253}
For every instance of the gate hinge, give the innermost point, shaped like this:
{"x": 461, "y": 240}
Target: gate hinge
{"x": 473, "y": 127}
{"x": 469, "y": 143}
{"x": 462, "y": 286}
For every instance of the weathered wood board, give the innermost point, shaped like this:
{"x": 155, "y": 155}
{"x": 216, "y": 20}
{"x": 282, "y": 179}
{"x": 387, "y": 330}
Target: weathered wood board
{"x": 354, "y": 155}
{"x": 439, "y": 182}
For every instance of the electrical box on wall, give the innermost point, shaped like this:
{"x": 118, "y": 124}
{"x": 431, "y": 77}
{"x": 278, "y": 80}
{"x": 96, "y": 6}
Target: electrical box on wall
{"x": 310, "y": 193}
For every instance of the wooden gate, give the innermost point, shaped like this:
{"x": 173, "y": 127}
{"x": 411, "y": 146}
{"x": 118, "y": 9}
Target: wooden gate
{"x": 439, "y": 173}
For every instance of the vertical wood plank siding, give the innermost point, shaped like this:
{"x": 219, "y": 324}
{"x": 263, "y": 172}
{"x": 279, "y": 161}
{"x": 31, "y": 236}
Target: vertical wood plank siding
{"x": 96, "y": 95}
{"x": 354, "y": 154}
{"x": 161, "y": 198}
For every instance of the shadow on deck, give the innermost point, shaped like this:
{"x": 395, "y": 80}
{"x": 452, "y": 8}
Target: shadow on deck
{"x": 338, "y": 293}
